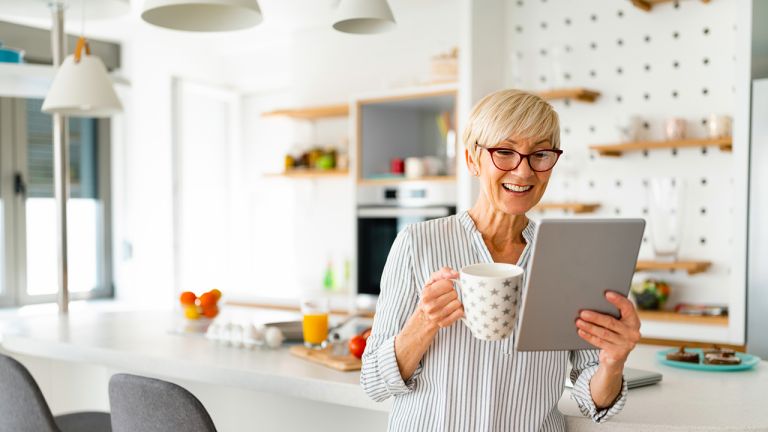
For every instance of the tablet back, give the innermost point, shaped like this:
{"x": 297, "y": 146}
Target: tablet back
{"x": 573, "y": 263}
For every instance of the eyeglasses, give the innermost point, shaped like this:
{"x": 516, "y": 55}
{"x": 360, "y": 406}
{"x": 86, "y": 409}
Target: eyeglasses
{"x": 507, "y": 159}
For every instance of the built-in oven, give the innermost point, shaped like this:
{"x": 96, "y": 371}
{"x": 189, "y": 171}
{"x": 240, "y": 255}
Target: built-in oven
{"x": 382, "y": 212}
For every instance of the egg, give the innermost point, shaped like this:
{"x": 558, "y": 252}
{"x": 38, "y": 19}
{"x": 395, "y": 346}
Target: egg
{"x": 274, "y": 337}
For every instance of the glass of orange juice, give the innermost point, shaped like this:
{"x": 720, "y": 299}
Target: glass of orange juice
{"x": 315, "y": 321}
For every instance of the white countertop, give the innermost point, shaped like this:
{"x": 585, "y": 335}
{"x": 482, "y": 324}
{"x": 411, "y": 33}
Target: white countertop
{"x": 142, "y": 342}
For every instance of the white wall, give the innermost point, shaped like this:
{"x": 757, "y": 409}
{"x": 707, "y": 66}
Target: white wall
{"x": 297, "y": 225}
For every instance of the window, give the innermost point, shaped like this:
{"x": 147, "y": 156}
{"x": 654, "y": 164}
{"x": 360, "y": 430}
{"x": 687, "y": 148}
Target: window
{"x": 33, "y": 223}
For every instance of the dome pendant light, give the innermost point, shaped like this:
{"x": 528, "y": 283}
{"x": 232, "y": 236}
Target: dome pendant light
{"x": 82, "y": 87}
{"x": 202, "y": 15}
{"x": 364, "y": 17}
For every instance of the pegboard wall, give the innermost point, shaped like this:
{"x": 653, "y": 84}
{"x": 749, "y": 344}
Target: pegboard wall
{"x": 677, "y": 61}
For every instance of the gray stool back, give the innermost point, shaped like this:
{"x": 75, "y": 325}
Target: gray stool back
{"x": 151, "y": 405}
{"x": 22, "y": 405}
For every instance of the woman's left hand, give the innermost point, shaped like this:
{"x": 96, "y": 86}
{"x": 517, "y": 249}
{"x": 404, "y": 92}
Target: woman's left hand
{"x": 616, "y": 338}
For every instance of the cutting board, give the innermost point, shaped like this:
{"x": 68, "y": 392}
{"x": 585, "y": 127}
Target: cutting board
{"x": 324, "y": 357}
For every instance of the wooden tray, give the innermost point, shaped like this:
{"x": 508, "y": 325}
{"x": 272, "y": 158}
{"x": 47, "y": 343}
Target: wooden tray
{"x": 324, "y": 357}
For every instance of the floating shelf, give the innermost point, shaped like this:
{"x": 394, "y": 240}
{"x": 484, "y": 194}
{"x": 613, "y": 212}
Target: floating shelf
{"x": 647, "y": 5}
{"x": 692, "y": 267}
{"x": 577, "y": 93}
{"x": 311, "y": 113}
{"x": 396, "y": 180}
{"x": 573, "y": 207}
{"x": 310, "y": 173}
{"x": 725, "y": 144}
{"x": 668, "y": 316}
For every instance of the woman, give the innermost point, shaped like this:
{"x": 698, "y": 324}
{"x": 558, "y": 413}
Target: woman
{"x": 443, "y": 378}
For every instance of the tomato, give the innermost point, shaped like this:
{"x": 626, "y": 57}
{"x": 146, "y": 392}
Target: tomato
{"x": 366, "y": 333}
{"x": 357, "y": 346}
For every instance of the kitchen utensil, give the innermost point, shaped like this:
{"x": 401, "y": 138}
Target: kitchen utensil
{"x": 719, "y": 126}
{"x": 748, "y": 361}
{"x": 315, "y": 321}
{"x": 490, "y": 295}
{"x": 675, "y": 128}
{"x": 665, "y": 205}
{"x": 397, "y": 166}
{"x": 433, "y": 165}
{"x": 10, "y": 55}
{"x": 633, "y": 129}
{"x": 414, "y": 167}
{"x": 325, "y": 357}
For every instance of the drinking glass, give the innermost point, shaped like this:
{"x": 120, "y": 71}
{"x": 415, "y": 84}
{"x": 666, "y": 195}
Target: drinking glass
{"x": 315, "y": 321}
{"x": 665, "y": 208}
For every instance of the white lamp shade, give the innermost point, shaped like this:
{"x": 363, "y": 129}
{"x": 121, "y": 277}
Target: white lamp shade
{"x": 202, "y": 15}
{"x": 364, "y": 17}
{"x": 94, "y": 9}
{"x": 82, "y": 89}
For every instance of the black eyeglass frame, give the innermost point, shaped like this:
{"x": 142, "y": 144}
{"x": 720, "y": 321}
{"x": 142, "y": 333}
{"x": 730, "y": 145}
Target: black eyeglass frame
{"x": 492, "y": 150}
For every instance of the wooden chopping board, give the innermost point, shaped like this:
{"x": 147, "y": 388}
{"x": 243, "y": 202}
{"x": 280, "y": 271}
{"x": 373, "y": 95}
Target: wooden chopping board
{"x": 324, "y": 357}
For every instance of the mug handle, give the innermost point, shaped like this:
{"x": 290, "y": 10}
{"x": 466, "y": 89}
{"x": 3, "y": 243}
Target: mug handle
{"x": 461, "y": 299}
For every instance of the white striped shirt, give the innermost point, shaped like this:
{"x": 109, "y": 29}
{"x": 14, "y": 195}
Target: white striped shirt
{"x": 463, "y": 383}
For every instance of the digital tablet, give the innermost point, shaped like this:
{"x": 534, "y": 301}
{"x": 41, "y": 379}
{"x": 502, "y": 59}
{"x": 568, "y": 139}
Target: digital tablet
{"x": 573, "y": 263}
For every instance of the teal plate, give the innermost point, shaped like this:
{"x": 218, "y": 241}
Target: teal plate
{"x": 748, "y": 361}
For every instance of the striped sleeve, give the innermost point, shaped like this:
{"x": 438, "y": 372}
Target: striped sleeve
{"x": 380, "y": 376}
{"x": 585, "y": 364}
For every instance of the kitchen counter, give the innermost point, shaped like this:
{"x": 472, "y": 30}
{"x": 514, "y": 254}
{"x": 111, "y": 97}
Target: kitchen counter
{"x": 143, "y": 343}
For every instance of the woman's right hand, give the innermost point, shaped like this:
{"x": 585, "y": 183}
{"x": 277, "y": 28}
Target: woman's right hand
{"x": 439, "y": 303}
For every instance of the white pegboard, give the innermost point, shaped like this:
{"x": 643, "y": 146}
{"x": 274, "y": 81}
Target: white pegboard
{"x": 679, "y": 60}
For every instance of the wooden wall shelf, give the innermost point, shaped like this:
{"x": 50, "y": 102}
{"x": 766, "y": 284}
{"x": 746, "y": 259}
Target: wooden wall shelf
{"x": 668, "y": 316}
{"x": 307, "y": 173}
{"x": 396, "y": 180}
{"x": 311, "y": 113}
{"x": 725, "y": 144}
{"x": 572, "y": 207}
{"x": 577, "y": 93}
{"x": 692, "y": 267}
{"x": 647, "y": 5}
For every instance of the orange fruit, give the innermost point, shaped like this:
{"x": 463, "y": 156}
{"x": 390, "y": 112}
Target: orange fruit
{"x": 216, "y": 293}
{"x": 207, "y": 300}
{"x": 210, "y": 312}
{"x": 187, "y": 298}
{"x": 191, "y": 312}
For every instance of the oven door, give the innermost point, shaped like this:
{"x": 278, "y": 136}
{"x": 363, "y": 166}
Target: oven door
{"x": 377, "y": 228}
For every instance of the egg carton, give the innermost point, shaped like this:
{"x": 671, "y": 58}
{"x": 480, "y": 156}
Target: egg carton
{"x": 246, "y": 336}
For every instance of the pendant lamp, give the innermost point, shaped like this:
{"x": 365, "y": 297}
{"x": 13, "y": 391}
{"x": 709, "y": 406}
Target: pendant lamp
{"x": 364, "y": 17}
{"x": 202, "y": 15}
{"x": 82, "y": 87}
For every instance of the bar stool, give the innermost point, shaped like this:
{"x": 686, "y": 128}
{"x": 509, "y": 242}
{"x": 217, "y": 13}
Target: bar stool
{"x": 23, "y": 407}
{"x": 152, "y": 405}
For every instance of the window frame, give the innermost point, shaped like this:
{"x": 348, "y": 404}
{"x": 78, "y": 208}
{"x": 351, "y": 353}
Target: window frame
{"x": 15, "y": 227}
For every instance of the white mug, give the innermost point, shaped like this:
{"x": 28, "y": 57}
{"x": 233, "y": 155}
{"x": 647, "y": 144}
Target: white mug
{"x": 490, "y": 293}
{"x": 414, "y": 167}
{"x": 676, "y": 128}
{"x": 719, "y": 126}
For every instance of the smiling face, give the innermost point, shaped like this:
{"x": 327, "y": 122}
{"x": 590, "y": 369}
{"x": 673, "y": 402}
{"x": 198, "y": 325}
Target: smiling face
{"x": 512, "y": 192}
{"x": 511, "y": 120}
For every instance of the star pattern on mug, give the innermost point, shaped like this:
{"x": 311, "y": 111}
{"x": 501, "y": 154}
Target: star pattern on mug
{"x": 491, "y": 307}
{"x": 494, "y": 306}
{"x": 507, "y": 297}
{"x": 508, "y": 283}
{"x": 494, "y": 292}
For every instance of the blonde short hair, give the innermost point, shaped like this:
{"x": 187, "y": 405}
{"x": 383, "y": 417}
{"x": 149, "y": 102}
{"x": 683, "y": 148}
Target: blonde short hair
{"x": 510, "y": 113}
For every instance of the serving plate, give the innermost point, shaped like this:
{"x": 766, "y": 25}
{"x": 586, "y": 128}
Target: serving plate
{"x": 748, "y": 361}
